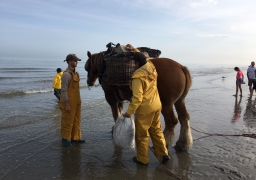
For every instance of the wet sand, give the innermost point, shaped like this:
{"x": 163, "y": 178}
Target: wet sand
{"x": 32, "y": 149}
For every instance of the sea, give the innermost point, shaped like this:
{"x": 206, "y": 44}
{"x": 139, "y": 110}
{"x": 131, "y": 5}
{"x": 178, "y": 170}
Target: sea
{"x": 30, "y": 145}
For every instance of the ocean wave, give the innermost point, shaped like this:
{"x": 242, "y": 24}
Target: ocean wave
{"x": 2, "y": 78}
{"x": 22, "y": 69}
{"x": 83, "y": 86}
{"x": 88, "y": 106}
{"x": 24, "y": 77}
{"x": 38, "y": 91}
{"x": 46, "y": 79}
{"x": 25, "y": 71}
{"x": 23, "y": 92}
{"x": 33, "y": 91}
{"x": 86, "y": 86}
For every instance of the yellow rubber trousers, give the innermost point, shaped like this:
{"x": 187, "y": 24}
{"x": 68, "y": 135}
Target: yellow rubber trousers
{"x": 146, "y": 126}
{"x": 70, "y": 122}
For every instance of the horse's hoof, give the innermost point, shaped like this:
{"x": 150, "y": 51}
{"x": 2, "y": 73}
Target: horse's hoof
{"x": 177, "y": 148}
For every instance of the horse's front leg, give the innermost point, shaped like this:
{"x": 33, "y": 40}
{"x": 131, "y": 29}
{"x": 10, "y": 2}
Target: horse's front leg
{"x": 114, "y": 104}
{"x": 120, "y": 107}
{"x": 112, "y": 101}
{"x": 116, "y": 110}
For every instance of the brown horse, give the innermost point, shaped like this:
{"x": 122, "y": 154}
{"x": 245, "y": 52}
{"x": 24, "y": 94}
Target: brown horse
{"x": 173, "y": 82}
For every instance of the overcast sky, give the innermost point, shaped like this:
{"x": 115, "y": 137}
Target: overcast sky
{"x": 188, "y": 31}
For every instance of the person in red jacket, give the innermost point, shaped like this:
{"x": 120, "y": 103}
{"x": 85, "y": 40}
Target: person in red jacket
{"x": 239, "y": 81}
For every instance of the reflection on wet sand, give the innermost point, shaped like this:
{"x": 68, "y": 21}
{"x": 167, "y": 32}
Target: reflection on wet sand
{"x": 184, "y": 164}
{"x": 237, "y": 110}
{"x": 117, "y": 166}
{"x": 109, "y": 164}
{"x": 70, "y": 162}
{"x": 250, "y": 114}
{"x": 117, "y": 154}
{"x": 179, "y": 165}
{"x": 141, "y": 172}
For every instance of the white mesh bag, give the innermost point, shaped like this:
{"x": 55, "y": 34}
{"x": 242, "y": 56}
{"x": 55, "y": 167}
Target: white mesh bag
{"x": 124, "y": 132}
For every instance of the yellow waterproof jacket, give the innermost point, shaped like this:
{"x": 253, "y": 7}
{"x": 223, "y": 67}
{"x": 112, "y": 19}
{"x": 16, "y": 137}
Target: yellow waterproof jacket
{"x": 145, "y": 97}
{"x": 57, "y": 81}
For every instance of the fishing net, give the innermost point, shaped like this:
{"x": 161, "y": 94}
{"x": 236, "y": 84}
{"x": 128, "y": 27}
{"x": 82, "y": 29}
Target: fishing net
{"x": 119, "y": 70}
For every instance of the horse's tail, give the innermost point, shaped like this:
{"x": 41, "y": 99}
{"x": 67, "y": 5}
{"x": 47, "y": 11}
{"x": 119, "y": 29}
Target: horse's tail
{"x": 188, "y": 81}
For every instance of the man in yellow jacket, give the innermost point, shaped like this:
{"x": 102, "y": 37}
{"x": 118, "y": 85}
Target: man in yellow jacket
{"x": 57, "y": 83}
{"x": 146, "y": 105}
{"x": 70, "y": 103}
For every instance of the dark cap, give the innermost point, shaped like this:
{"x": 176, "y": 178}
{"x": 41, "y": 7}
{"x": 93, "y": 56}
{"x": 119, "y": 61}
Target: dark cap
{"x": 139, "y": 57}
{"x": 58, "y": 70}
{"x": 71, "y": 57}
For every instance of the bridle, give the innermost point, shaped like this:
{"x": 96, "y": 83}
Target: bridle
{"x": 88, "y": 69}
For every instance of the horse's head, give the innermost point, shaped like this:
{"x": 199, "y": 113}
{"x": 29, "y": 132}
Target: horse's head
{"x": 92, "y": 68}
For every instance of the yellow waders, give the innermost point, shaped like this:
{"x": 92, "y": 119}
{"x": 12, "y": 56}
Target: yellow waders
{"x": 70, "y": 122}
{"x": 149, "y": 125}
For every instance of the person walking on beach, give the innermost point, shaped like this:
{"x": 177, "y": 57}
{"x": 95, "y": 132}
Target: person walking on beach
{"x": 70, "y": 103}
{"x": 57, "y": 83}
{"x": 239, "y": 81}
{"x": 146, "y": 105}
{"x": 251, "y": 76}
{"x": 254, "y": 84}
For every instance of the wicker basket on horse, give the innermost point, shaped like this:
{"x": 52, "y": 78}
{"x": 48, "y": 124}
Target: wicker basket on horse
{"x": 119, "y": 70}
{"x": 154, "y": 53}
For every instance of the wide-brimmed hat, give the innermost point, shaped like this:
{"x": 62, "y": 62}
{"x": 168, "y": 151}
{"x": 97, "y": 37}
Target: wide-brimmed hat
{"x": 71, "y": 57}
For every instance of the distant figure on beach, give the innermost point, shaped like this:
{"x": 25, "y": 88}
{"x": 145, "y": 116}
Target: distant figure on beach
{"x": 239, "y": 81}
{"x": 254, "y": 83}
{"x": 70, "y": 103}
{"x": 57, "y": 83}
{"x": 251, "y": 77}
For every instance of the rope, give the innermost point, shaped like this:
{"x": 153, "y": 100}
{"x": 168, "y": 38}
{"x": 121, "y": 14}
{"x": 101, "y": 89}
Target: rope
{"x": 164, "y": 166}
{"x": 216, "y": 134}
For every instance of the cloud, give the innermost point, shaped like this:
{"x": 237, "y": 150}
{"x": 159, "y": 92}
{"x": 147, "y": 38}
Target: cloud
{"x": 162, "y": 23}
{"x": 213, "y": 35}
{"x": 212, "y": 1}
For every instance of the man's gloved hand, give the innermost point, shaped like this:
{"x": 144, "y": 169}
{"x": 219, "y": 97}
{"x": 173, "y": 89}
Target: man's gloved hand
{"x": 130, "y": 47}
{"x": 126, "y": 115}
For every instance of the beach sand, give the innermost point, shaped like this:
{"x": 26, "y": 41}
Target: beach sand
{"x": 31, "y": 148}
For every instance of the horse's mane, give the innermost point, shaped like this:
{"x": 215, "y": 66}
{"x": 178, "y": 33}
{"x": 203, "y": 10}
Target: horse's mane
{"x": 97, "y": 58}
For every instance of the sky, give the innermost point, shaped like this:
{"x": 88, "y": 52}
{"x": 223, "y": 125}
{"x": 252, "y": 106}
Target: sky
{"x": 187, "y": 31}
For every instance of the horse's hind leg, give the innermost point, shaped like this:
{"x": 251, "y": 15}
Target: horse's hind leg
{"x": 185, "y": 140}
{"x": 170, "y": 123}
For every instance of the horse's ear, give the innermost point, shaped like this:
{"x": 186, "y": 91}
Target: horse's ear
{"x": 89, "y": 54}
